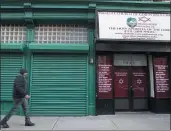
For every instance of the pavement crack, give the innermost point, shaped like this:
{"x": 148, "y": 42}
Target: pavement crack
{"x": 55, "y": 123}
{"x": 114, "y": 124}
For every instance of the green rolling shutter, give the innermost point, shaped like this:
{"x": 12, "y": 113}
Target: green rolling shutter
{"x": 59, "y": 85}
{"x": 10, "y": 66}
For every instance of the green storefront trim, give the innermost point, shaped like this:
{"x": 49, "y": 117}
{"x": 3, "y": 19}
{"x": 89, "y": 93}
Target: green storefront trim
{"x": 66, "y": 48}
{"x": 92, "y": 73}
{"x": 12, "y": 47}
{"x": 75, "y": 10}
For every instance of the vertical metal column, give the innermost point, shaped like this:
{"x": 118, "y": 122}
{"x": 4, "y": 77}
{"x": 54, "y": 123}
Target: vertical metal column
{"x": 169, "y": 67}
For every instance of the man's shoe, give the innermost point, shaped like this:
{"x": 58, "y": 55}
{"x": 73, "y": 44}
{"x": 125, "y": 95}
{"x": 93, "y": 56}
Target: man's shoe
{"x": 4, "y": 125}
{"x": 29, "y": 124}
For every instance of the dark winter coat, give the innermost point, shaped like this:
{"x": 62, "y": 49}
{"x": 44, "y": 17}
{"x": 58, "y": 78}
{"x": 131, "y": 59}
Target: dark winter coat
{"x": 19, "y": 87}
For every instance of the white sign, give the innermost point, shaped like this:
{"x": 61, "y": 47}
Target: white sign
{"x": 134, "y": 26}
{"x": 130, "y": 60}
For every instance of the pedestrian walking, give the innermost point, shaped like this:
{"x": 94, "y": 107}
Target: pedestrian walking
{"x": 20, "y": 97}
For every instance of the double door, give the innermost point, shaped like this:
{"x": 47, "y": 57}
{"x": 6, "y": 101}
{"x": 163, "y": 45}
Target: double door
{"x": 130, "y": 82}
{"x": 130, "y": 88}
{"x": 122, "y": 82}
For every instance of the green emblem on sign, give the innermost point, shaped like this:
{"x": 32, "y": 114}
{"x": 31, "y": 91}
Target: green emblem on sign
{"x": 131, "y": 22}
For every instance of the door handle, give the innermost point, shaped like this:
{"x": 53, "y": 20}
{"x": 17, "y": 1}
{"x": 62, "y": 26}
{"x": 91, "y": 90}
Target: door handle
{"x": 131, "y": 91}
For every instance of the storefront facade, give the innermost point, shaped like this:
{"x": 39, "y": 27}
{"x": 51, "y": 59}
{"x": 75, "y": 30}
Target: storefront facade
{"x": 59, "y": 45}
{"x": 133, "y": 54}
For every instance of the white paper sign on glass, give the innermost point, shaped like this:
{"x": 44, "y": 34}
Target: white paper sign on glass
{"x": 134, "y": 26}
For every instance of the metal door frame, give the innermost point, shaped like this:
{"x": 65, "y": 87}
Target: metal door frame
{"x": 130, "y": 98}
{"x": 122, "y": 98}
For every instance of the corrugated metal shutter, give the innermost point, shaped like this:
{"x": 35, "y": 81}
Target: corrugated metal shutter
{"x": 10, "y": 66}
{"x": 59, "y": 85}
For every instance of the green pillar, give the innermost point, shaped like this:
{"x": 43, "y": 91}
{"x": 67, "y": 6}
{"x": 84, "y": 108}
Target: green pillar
{"x": 28, "y": 18}
{"x": 91, "y": 90}
{"x": 30, "y": 39}
{"x": 27, "y": 54}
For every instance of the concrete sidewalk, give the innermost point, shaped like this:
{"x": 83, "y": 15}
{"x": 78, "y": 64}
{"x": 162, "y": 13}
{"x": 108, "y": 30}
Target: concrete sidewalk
{"x": 120, "y": 121}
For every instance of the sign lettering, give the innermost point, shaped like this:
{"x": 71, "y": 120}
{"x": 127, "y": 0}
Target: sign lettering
{"x": 161, "y": 77}
{"x": 104, "y": 77}
{"x": 134, "y": 26}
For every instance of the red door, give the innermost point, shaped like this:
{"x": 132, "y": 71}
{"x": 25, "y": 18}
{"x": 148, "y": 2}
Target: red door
{"x": 139, "y": 82}
{"x": 130, "y": 88}
{"x": 121, "y": 82}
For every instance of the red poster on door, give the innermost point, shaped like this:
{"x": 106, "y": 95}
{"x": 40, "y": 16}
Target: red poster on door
{"x": 161, "y": 77}
{"x": 139, "y": 81}
{"x": 120, "y": 82}
{"x": 104, "y": 77}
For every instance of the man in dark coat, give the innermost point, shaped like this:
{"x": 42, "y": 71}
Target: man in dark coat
{"x": 20, "y": 97}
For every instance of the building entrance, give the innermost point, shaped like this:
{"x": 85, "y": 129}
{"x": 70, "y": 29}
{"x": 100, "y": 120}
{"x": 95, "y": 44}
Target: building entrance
{"x": 131, "y": 88}
{"x": 122, "y": 83}
{"x": 130, "y": 82}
